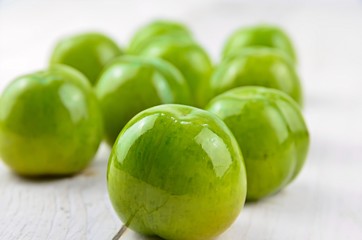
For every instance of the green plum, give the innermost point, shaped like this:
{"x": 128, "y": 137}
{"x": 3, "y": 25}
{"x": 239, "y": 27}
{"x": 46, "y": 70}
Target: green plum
{"x": 177, "y": 172}
{"x": 131, "y": 84}
{"x": 257, "y": 67}
{"x": 154, "y": 30}
{"x": 259, "y": 36}
{"x": 86, "y": 52}
{"x": 190, "y": 59}
{"x": 271, "y": 133}
{"x": 50, "y": 123}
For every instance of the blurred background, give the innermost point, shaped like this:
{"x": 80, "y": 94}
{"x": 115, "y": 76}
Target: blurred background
{"x": 327, "y": 35}
{"x": 328, "y": 39}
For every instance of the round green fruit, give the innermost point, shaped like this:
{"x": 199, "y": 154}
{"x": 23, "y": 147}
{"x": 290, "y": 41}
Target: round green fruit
{"x": 257, "y": 67}
{"x": 177, "y": 172}
{"x": 50, "y": 123}
{"x": 155, "y": 30}
{"x": 132, "y": 84}
{"x": 192, "y": 61}
{"x": 271, "y": 133}
{"x": 259, "y": 36}
{"x": 87, "y": 52}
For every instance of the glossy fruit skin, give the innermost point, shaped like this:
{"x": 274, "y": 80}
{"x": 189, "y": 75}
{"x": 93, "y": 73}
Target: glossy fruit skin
{"x": 155, "y": 30}
{"x": 271, "y": 133}
{"x": 131, "y": 84}
{"x": 177, "y": 172}
{"x": 259, "y": 36}
{"x": 257, "y": 67}
{"x": 192, "y": 61}
{"x": 50, "y": 123}
{"x": 86, "y": 52}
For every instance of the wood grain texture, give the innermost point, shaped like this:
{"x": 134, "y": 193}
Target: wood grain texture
{"x": 325, "y": 201}
{"x": 65, "y": 208}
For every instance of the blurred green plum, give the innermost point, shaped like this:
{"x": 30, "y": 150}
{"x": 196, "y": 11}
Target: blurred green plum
{"x": 154, "y": 30}
{"x": 263, "y": 67}
{"x": 192, "y": 61}
{"x": 259, "y": 36}
{"x": 86, "y": 52}
{"x": 50, "y": 123}
{"x": 271, "y": 133}
{"x": 131, "y": 84}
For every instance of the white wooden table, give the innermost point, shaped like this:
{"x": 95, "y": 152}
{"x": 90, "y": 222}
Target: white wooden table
{"x": 324, "y": 203}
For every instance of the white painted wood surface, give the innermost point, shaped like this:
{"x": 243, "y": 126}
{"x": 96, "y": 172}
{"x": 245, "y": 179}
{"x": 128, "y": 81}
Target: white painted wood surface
{"x": 324, "y": 203}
